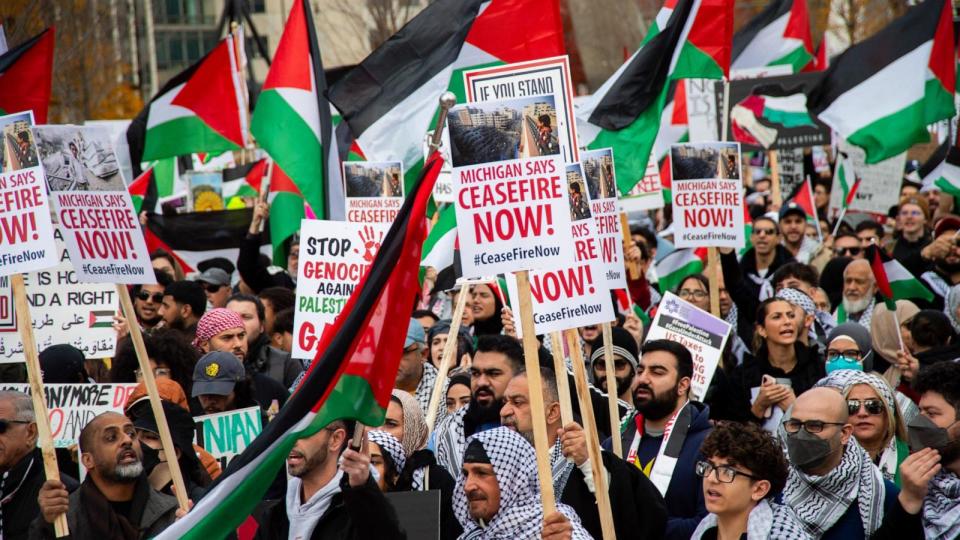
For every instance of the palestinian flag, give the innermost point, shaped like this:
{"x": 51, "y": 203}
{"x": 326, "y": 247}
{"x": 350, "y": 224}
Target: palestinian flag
{"x": 440, "y": 250}
{"x": 747, "y": 227}
{"x": 942, "y": 169}
{"x": 389, "y": 101}
{"x": 778, "y": 36}
{"x": 894, "y": 281}
{"x": 197, "y": 236}
{"x": 882, "y": 93}
{"x": 287, "y": 209}
{"x": 679, "y": 264}
{"x": 100, "y": 319}
{"x": 674, "y": 129}
{"x": 625, "y": 112}
{"x": 351, "y": 377}
{"x": 776, "y": 107}
{"x": 244, "y": 180}
{"x": 26, "y": 76}
{"x": 847, "y": 181}
{"x": 153, "y": 184}
{"x": 202, "y": 109}
{"x": 292, "y": 119}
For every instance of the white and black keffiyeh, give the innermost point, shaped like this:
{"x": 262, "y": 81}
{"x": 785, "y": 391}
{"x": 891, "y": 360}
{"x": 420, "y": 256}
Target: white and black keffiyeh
{"x": 820, "y": 501}
{"x": 801, "y": 300}
{"x": 941, "y": 507}
{"x": 937, "y": 283}
{"x": 766, "y": 520}
{"x": 450, "y": 438}
{"x": 560, "y": 468}
{"x": 520, "y": 516}
{"x": 389, "y": 444}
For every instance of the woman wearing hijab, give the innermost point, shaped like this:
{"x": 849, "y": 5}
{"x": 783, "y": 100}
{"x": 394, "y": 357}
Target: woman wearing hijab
{"x": 886, "y": 343}
{"x": 485, "y": 304}
{"x": 437, "y": 338}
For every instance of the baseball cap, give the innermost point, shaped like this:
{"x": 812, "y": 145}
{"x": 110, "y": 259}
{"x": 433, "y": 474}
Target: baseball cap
{"x": 216, "y": 373}
{"x": 792, "y": 208}
{"x": 215, "y": 276}
{"x": 415, "y": 334}
{"x": 949, "y": 223}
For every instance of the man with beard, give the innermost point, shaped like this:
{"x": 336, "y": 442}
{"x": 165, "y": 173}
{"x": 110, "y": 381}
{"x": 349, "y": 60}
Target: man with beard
{"x": 147, "y": 300}
{"x": 793, "y": 224}
{"x": 221, "y": 384}
{"x": 624, "y": 363}
{"x": 184, "y": 302}
{"x": 663, "y": 437}
{"x": 326, "y": 499}
{"x": 859, "y": 291}
{"x": 261, "y": 357}
{"x": 944, "y": 253}
{"x": 115, "y": 501}
{"x": 638, "y": 509}
{"x": 833, "y": 486}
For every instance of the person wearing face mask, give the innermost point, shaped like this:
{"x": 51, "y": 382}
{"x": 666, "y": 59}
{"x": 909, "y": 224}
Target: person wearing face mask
{"x": 848, "y": 347}
{"x": 833, "y": 487}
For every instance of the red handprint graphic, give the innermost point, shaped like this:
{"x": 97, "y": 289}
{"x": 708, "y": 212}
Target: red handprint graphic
{"x": 370, "y": 244}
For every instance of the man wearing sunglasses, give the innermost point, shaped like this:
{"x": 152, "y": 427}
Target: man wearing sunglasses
{"x": 833, "y": 487}
{"x": 147, "y": 300}
{"x": 847, "y": 244}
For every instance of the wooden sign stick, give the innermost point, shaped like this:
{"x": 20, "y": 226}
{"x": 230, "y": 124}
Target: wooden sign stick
{"x": 449, "y": 348}
{"x": 713, "y": 279}
{"x": 560, "y": 369}
{"x": 612, "y": 405}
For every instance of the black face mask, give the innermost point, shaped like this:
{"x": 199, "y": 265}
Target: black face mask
{"x": 923, "y": 433}
{"x": 807, "y": 451}
{"x": 150, "y": 459}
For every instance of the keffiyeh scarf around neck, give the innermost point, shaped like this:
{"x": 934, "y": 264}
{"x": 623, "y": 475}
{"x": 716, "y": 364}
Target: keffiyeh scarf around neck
{"x": 766, "y": 521}
{"x": 950, "y": 306}
{"x": 941, "y": 507}
{"x": 820, "y": 501}
{"x": 520, "y": 516}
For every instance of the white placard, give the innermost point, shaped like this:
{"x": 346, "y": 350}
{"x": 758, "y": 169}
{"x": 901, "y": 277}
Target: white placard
{"x": 374, "y": 191}
{"x": 707, "y": 195}
{"x": 880, "y": 183}
{"x": 598, "y": 171}
{"x": 567, "y": 297}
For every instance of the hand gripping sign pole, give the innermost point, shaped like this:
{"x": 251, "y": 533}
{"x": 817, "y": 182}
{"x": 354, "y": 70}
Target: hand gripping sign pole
{"x": 151, "y": 383}
{"x": 44, "y": 437}
{"x": 593, "y": 442}
{"x": 612, "y": 407}
{"x": 632, "y": 269}
{"x": 449, "y": 349}
{"x": 560, "y": 370}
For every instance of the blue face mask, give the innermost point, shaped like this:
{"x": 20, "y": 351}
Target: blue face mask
{"x": 842, "y": 362}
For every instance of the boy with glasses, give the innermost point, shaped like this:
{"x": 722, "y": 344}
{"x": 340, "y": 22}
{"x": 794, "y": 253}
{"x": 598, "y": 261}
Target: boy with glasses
{"x": 913, "y": 234}
{"x": 743, "y": 470}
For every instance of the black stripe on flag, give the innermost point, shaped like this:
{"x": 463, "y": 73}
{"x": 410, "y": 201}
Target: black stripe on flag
{"x": 765, "y": 18}
{"x": 424, "y": 47}
{"x": 10, "y": 57}
{"x": 202, "y": 231}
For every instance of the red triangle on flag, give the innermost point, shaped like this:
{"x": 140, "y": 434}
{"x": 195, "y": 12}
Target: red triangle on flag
{"x": 679, "y": 116}
{"x": 280, "y": 182}
{"x": 26, "y": 76}
{"x": 798, "y": 25}
{"x": 879, "y": 273}
{"x": 495, "y": 30}
{"x": 943, "y": 60}
{"x": 211, "y": 94}
{"x": 291, "y": 63}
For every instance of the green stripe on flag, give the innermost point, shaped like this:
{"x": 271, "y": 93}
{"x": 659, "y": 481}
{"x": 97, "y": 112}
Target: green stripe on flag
{"x": 182, "y": 136}
{"x": 797, "y": 59}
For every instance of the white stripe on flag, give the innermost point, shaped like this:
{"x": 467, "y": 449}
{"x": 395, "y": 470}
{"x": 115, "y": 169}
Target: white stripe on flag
{"x": 896, "y": 272}
{"x": 163, "y": 110}
{"x": 759, "y": 53}
{"x": 441, "y": 256}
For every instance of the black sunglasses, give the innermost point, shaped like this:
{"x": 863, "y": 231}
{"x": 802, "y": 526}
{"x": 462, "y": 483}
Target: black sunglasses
{"x": 212, "y": 287}
{"x": 873, "y": 406}
{"x": 5, "y": 424}
{"x": 146, "y": 296}
{"x": 848, "y": 251}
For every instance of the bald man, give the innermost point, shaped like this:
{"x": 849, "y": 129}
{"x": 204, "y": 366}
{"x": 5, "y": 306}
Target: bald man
{"x": 859, "y": 291}
{"x": 834, "y": 488}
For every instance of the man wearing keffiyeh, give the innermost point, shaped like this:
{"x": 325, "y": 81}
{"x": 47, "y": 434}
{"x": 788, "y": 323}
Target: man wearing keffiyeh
{"x": 498, "y": 497}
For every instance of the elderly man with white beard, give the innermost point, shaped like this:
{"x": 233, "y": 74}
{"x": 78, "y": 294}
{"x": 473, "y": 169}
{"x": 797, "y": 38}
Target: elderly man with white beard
{"x": 859, "y": 291}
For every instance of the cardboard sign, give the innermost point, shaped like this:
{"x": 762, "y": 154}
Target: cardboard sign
{"x": 702, "y": 109}
{"x": 374, "y": 191}
{"x": 93, "y": 209}
{"x": 225, "y": 435}
{"x": 598, "y": 170}
{"x": 26, "y": 232}
{"x": 880, "y": 185}
{"x": 71, "y": 406}
{"x": 707, "y": 195}
{"x": 790, "y": 162}
{"x": 566, "y": 297}
{"x": 546, "y": 76}
{"x": 647, "y": 194}
{"x": 334, "y": 255}
{"x": 700, "y": 332}
{"x": 63, "y": 311}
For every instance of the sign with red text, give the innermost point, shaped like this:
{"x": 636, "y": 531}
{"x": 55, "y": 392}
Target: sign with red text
{"x": 62, "y": 310}
{"x": 26, "y": 232}
{"x": 92, "y": 205}
{"x": 511, "y": 194}
{"x": 647, "y": 194}
{"x": 334, "y": 255}
{"x": 566, "y": 297}
{"x": 707, "y": 195}
{"x": 374, "y": 191}
{"x": 598, "y": 171}
{"x": 701, "y": 333}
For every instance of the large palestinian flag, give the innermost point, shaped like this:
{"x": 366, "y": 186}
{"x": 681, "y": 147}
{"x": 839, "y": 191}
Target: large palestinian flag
{"x": 26, "y": 75}
{"x": 351, "y": 378}
{"x": 389, "y": 101}
{"x": 778, "y": 36}
{"x": 691, "y": 39}
{"x": 292, "y": 118}
{"x": 882, "y": 93}
{"x": 202, "y": 109}
{"x": 894, "y": 281}
{"x": 942, "y": 170}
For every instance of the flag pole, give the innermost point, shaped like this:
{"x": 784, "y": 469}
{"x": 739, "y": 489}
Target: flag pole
{"x": 593, "y": 441}
{"x": 153, "y": 393}
{"x": 560, "y": 370}
{"x": 32, "y": 359}
{"x": 775, "y": 179}
{"x": 449, "y": 348}
{"x": 836, "y": 226}
{"x": 612, "y": 407}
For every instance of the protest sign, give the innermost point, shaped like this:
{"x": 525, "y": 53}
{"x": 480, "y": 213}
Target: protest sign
{"x": 443, "y": 187}
{"x": 790, "y": 163}
{"x": 508, "y": 176}
{"x": 63, "y": 311}
{"x": 26, "y": 232}
{"x": 702, "y": 109}
{"x": 880, "y": 183}
{"x": 598, "y": 173}
{"x": 225, "y": 435}
{"x": 700, "y": 332}
{"x": 707, "y": 195}
{"x": 546, "y": 76}
{"x": 71, "y": 406}
{"x": 566, "y": 297}
{"x": 647, "y": 194}
{"x": 374, "y": 191}
{"x": 334, "y": 255}
{"x": 93, "y": 209}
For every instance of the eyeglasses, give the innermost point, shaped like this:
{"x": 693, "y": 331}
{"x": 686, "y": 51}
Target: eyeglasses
{"x": 212, "y": 287}
{"x": 157, "y": 373}
{"x": 5, "y": 424}
{"x": 810, "y": 426}
{"x": 848, "y": 251}
{"x": 914, "y": 213}
{"x": 688, "y": 293}
{"x": 851, "y": 353}
{"x": 873, "y": 406}
{"x": 765, "y": 232}
{"x": 146, "y": 297}
{"x": 724, "y": 473}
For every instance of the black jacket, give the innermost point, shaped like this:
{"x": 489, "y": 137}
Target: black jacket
{"x": 22, "y": 486}
{"x": 255, "y": 275}
{"x": 638, "y": 508}
{"x": 355, "y": 514}
{"x": 272, "y": 362}
{"x": 908, "y": 253}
